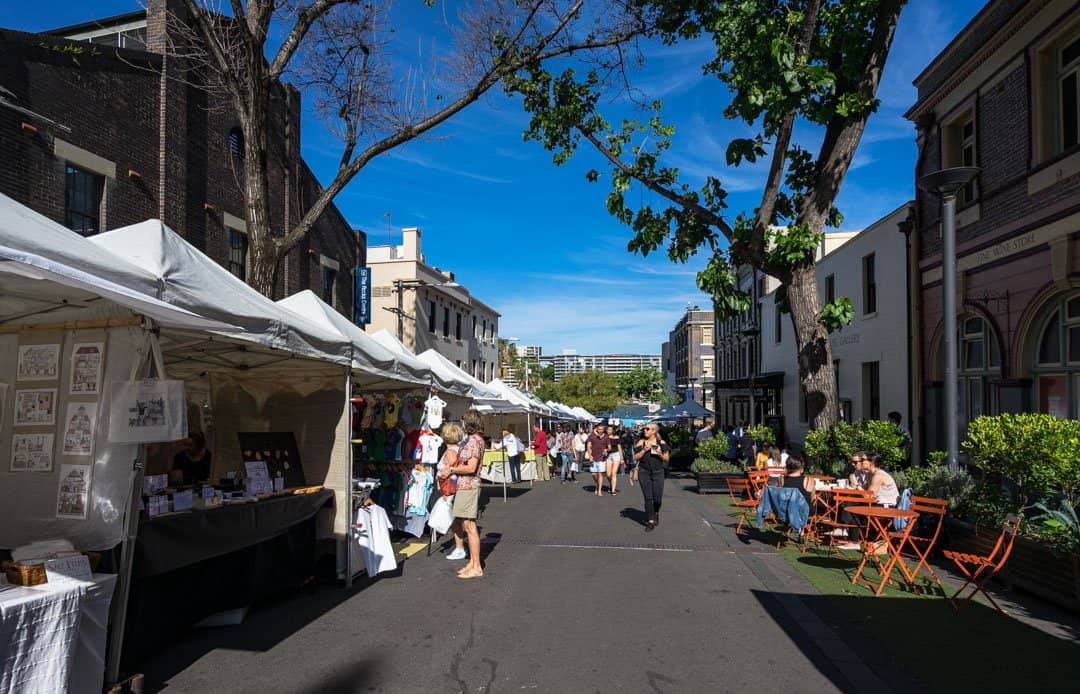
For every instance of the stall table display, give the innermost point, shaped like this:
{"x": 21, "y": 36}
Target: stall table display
{"x": 496, "y": 467}
{"x": 52, "y": 636}
{"x": 188, "y": 566}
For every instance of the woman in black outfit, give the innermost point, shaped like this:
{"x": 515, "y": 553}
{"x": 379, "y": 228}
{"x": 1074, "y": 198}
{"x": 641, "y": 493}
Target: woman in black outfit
{"x": 652, "y": 455}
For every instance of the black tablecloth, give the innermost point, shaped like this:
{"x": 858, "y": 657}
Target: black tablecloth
{"x": 170, "y": 542}
{"x": 193, "y": 565}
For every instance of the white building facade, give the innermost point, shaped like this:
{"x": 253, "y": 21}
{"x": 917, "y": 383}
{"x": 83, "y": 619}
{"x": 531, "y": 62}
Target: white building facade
{"x": 871, "y": 355}
{"x": 570, "y": 362}
{"x": 428, "y": 309}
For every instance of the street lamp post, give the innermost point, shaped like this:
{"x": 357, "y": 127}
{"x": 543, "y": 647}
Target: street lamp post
{"x": 947, "y": 183}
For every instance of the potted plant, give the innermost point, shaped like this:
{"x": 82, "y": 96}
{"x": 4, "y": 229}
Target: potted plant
{"x": 712, "y": 475}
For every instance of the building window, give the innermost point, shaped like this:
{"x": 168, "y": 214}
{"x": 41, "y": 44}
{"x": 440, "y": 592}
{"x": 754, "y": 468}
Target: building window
{"x": 707, "y": 335}
{"x": 457, "y": 327}
{"x": 483, "y": 333}
{"x": 329, "y": 281}
{"x": 959, "y": 150}
{"x": 475, "y": 372}
{"x": 1068, "y": 101}
{"x": 778, "y": 324}
{"x": 82, "y": 207}
{"x": 431, "y": 317}
{"x": 1058, "y": 360}
{"x": 238, "y": 253}
{"x": 830, "y": 289}
{"x": 706, "y": 366}
{"x": 869, "y": 276}
{"x": 446, "y": 321}
{"x": 236, "y": 144}
{"x": 474, "y": 333}
{"x": 871, "y": 390}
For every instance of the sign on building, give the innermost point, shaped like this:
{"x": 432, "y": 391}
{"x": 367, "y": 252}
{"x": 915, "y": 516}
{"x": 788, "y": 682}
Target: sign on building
{"x": 362, "y": 309}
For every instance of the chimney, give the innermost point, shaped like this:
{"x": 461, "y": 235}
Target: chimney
{"x": 410, "y": 243}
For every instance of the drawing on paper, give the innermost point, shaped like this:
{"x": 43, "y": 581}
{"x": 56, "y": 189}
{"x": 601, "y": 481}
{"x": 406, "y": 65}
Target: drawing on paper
{"x": 38, "y": 362}
{"x": 79, "y": 426}
{"x": 35, "y": 407}
{"x": 86, "y": 360}
{"x": 31, "y": 453}
{"x": 147, "y": 412}
{"x": 72, "y": 498}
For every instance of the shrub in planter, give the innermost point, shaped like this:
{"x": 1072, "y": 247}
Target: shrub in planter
{"x": 882, "y": 438}
{"x": 830, "y": 450}
{"x": 1038, "y": 452}
{"x": 714, "y": 448}
{"x": 711, "y": 466}
{"x": 1058, "y": 527}
{"x": 763, "y": 435}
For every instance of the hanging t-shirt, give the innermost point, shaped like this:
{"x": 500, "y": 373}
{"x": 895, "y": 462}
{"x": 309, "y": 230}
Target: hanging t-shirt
{"x": 377, "y": 445}
{"x": 373, "y": 535}
{"x": 380, "y": 412}
{"x": 394, "y": 437}
{"x": 367, "y": 414}
{"x": 419, "y": 491}
{"x": 410, "y": 449}
{"x": 433, "y": 410}
{"x": 393, "y": 410}
{"x": 430, "y": 443}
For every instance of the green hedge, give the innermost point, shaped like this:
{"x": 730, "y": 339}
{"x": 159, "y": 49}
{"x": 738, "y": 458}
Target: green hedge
{"x": 830, "y": 449}
{"x": 1039, "y": 453}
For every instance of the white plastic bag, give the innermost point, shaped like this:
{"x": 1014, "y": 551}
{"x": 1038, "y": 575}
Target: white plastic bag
{"x": 442, "y": 514}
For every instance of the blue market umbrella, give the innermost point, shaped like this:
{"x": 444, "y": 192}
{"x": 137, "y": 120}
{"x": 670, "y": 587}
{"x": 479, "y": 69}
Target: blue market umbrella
{"x": 689, "y": 409}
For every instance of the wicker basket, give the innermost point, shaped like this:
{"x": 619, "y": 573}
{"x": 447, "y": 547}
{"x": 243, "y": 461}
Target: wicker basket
{"x": 34, "y": 574}
{"x": 25, "y": 574}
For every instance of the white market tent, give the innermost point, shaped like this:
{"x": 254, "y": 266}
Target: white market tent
{"x": 412, "y": 362}
{"x": 513, "y": 395}
{"x": 369, "y": 355}
{"x": 451, "y": 372}
{"x": 585, "y": 414}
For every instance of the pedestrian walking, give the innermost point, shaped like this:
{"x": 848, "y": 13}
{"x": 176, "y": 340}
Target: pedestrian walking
{"x": 614, "y": 460}
{"x": 626, "y": 443}
{"x": 652, "y": 455}
{"x": 467, "y": 497}
{"x": 566, "y": 442}
{"x": 581, "y": 439}
{"x": 598, "y": 445}
{"x": 553, "y": 448}
{"x": 540, "y": 451}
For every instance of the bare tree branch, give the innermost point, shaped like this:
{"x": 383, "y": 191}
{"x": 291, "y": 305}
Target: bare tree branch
{"x": 304, "y": 19}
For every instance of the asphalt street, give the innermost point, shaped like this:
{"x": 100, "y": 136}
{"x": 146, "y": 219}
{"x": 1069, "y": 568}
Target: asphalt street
{"x": 576, "y": 598}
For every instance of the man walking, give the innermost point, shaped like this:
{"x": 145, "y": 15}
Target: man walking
{"x": 598, "y": 444}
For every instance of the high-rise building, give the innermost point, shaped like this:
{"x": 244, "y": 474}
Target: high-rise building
{"x": 570, "y": 362}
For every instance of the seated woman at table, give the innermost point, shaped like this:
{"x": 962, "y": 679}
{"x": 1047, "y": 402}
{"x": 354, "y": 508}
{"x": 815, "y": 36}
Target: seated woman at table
{"x": 880, "y": 482}
{"x": 857, "y": 479}
{"x": 794, "y": 478}
{"x": 192, "y": 464}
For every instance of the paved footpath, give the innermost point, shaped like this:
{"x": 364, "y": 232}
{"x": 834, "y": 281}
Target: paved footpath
{"x": 576, "y": 598}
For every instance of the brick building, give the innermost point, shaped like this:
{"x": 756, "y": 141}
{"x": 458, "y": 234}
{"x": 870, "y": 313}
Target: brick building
{"x": 1004, "y": 95}
{"x": 690, "y": 344}
{"x": 100, "y": 129}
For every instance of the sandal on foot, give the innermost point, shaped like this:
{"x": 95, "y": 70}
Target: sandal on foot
{"x": 471, "y": 574}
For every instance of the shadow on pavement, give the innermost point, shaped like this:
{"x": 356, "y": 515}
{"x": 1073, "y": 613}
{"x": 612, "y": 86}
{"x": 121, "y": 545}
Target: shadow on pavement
{"x": 635, "y": 514}
{"x": 265, "y": 626}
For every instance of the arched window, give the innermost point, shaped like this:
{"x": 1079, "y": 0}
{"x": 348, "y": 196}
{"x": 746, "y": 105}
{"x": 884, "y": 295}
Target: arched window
{"x": 236, "y": 143}
{"x": 1057, "y": 359}
{"x": 979, "y": 365}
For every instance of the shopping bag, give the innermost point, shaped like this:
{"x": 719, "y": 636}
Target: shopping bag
{"x": 148, "y": 411}
{"x": 442, "y": 515}
{"x": 574, "y": 467}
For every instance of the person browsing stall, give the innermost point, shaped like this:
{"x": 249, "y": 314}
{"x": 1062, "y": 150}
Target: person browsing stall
{"x": 652, "y": 455}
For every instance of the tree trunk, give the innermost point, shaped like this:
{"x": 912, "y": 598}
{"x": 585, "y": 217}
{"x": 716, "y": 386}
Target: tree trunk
{"x": 816, "y": 373}
{"x": 263, "y": 252}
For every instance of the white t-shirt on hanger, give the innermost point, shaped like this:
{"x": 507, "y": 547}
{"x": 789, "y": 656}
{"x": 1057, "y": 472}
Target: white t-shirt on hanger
{"x": 433, "y": 409}
{"x": 373, "y": 535}
{"x": 430, "y": 443}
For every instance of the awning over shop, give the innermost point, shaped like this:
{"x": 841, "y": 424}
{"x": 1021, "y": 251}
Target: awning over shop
{"x": 772, "y": 380}
{"x": 691, "y": 409}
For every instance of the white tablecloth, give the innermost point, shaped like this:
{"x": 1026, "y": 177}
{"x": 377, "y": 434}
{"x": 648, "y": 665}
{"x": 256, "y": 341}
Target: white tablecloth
{"x": 53, "y": 636}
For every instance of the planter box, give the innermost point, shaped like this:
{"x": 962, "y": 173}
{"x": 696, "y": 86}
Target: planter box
{"x": 714, "y": 481}
{"x": 1032, "y": 567}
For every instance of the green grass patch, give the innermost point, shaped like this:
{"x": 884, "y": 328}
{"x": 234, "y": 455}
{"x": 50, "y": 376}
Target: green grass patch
{"x": 978, "y": 650}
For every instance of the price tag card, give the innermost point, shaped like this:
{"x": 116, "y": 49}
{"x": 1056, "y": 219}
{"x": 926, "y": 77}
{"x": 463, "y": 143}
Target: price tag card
{"x": 74, "y": 568}
{"x": 182, "y": 501}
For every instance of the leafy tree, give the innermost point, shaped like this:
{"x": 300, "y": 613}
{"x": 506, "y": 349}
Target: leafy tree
{"x": 641, "y": 384}
{"x": 817, "y": 62}
{"x": 596, "y": 391}
{"x": 342, "y": 54}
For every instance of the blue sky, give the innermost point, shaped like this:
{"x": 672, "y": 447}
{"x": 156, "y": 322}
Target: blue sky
{"x": 535, "y": 240}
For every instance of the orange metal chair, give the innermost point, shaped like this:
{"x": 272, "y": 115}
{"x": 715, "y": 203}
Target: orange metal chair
{"x": 742, "y": 494}
{"x": 930, "y": 510}
{"x": 857, "y": 497}
{"x": 758, "y": 480}
{"x": 978, "y": 569}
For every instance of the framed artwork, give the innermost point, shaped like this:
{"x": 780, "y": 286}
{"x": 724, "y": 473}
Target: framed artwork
{"x": 38, "y": 363}
{"x": 35, "y": 407}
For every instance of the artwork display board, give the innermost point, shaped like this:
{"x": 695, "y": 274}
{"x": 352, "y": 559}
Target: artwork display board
{"x": 278, "y": 450}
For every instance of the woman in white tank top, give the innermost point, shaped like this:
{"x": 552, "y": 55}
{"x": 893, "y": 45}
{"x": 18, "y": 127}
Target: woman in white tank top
{"x": 880, "y": 482}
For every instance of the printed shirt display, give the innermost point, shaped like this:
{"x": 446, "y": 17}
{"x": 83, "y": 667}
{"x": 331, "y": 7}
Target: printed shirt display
{"x": 433, "y": 410}
{"x": 393, "y": 410}
{"x": 419, "y": 492}
{"x": 429, "y": 444}
{"x": 472, "y": 447}
{"x": 373, "y": 535}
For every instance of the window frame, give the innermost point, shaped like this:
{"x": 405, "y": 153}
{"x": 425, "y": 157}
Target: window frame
{"x": 93, "y": 195}
{"x": 446, "y": 321}
{"x": 433, "y": 326}
{"x": 331, "y": 274}
{"x": 869, "y": 281}
{"x": 231, "y": 264}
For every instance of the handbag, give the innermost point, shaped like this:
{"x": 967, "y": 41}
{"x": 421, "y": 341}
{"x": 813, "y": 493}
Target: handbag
{"x": 574, "y": 467}
{"x": 448, "y": 486}
{"x": 442, "y": 515}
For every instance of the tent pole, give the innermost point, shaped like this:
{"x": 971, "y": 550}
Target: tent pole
{"x": 118, "y": 616}
{"x": 349, "y": 523}
{"x": 506, "y": 464}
